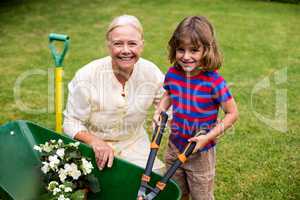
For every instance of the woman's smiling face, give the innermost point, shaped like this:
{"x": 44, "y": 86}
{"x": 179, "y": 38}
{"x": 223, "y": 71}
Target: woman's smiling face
{"x": 125, "y": 46}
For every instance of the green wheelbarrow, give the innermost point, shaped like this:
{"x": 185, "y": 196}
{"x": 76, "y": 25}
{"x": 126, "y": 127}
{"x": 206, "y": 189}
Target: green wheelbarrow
{"x": 19, "y": 179}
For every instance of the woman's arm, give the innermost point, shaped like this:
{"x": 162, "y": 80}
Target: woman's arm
{"x": 231, "y": 115}
{"x": 77, "y": 112}
{"x": 103, "y": 152}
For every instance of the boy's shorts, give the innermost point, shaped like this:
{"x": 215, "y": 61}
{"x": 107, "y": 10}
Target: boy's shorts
{"x": 196, "y": 176}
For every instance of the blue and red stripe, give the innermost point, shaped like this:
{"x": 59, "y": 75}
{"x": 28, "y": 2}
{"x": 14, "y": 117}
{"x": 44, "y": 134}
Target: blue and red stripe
{"x": 196, "y": 101}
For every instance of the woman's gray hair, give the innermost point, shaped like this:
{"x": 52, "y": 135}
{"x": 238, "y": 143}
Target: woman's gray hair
{"x": 125, "y": 20}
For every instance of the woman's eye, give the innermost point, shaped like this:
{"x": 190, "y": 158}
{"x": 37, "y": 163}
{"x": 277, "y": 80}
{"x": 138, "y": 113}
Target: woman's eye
{"x": 132, "y": 44}
{"x": 117, "y": 44}
{"x": 180, "y": 50}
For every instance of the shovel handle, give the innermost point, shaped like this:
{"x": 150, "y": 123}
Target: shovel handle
{"x": 58, "y": 57}
{"x": 59, "y": 37}
{"x": 58, "y": 60}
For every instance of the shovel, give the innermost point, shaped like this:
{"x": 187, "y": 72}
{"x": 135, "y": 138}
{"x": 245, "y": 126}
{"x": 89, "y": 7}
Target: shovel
{"x": 58, "y": 60}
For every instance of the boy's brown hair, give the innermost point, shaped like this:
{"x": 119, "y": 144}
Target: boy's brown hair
{"x": 200, "y": 33}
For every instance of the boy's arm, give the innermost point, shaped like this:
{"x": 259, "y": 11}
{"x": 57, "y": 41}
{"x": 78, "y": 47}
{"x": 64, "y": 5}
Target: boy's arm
{"x": 163, "y": 106}
{"x": 164, "y": 103}
{"x": 231, "y": 115}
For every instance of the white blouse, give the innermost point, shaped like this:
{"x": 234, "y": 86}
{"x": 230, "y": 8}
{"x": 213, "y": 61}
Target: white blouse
{"x": 99, "y": 104}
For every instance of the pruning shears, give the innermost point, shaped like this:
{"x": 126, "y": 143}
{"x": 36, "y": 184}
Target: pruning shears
{"x": 147, "y": 192}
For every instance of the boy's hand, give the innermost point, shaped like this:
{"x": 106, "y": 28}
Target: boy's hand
{"x": 155, "y": 120}
{"x": 201, "y": 140}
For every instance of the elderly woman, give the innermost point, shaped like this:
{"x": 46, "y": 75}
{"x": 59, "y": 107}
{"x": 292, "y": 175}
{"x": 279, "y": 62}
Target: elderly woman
{"x": 109, "y": 98}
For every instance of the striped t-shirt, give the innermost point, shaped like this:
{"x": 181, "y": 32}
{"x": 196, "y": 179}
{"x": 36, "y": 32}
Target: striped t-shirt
{"x": 195, "y": 102}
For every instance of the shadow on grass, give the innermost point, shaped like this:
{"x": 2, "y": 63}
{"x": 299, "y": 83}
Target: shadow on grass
{"x": 12, "y": 3}
{"x": 283, "y": 1}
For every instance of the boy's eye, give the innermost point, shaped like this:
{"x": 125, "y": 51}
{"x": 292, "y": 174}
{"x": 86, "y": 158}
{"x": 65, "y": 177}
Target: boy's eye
{"x": 194, "y": 50}
{"x": 180, "y": 49}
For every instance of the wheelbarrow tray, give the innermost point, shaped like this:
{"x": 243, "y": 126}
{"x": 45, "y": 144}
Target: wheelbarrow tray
{"x": 19, "y": 167}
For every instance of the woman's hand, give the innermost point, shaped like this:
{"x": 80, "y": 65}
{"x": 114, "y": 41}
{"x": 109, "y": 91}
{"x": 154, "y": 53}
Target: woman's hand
{"x": 201, "y": 140}
{"x": 103, "y": 152}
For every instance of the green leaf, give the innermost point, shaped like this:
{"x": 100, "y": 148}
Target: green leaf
{"x": 69, "y": 184}
{"x": 93, "y": 183}
{"x": 46, "y": 196}
{"x": 78, "y": 195}
{"x": 74, "y": 155}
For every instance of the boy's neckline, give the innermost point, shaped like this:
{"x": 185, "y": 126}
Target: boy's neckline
{"x": 184, "y": 74}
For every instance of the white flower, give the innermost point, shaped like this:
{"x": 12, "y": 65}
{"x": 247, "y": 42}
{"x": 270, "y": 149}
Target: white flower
{"x": 72, "y": 170}
{"x": 46, "y": 147}
{"x": 60, "y": 152}
{"x": 68, "y": 189}
{"x": 54, "y": 161}
{"x": 56, "y": 190}
{"x": 86, "y": 166}
{"x": 37, "y": 148}
{"x": 67, "y": 167}
{"x": 62, "y": 175}
{"x": 62, "y": 187}
{"x": 45, "y": 168}
{"x": 52, "y": 185}
{"x": 62, "y": 197}
{"x": 76, "y": 144}
{"x": 75, "y": 174}
{"x": 63, "y": 165}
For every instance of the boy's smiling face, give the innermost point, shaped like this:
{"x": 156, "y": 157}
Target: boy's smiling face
{"x": 189, "y": 57}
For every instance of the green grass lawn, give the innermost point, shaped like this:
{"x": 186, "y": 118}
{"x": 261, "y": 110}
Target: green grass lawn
{"x": 259, "y": 40}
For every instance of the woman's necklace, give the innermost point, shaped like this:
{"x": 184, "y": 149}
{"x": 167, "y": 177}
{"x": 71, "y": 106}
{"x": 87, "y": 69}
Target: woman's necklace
{"x": 123, "y": 90}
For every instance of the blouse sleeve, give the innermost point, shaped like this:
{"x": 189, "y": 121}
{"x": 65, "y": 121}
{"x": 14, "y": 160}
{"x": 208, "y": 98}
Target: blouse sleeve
{"x": 78, "y": 107}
